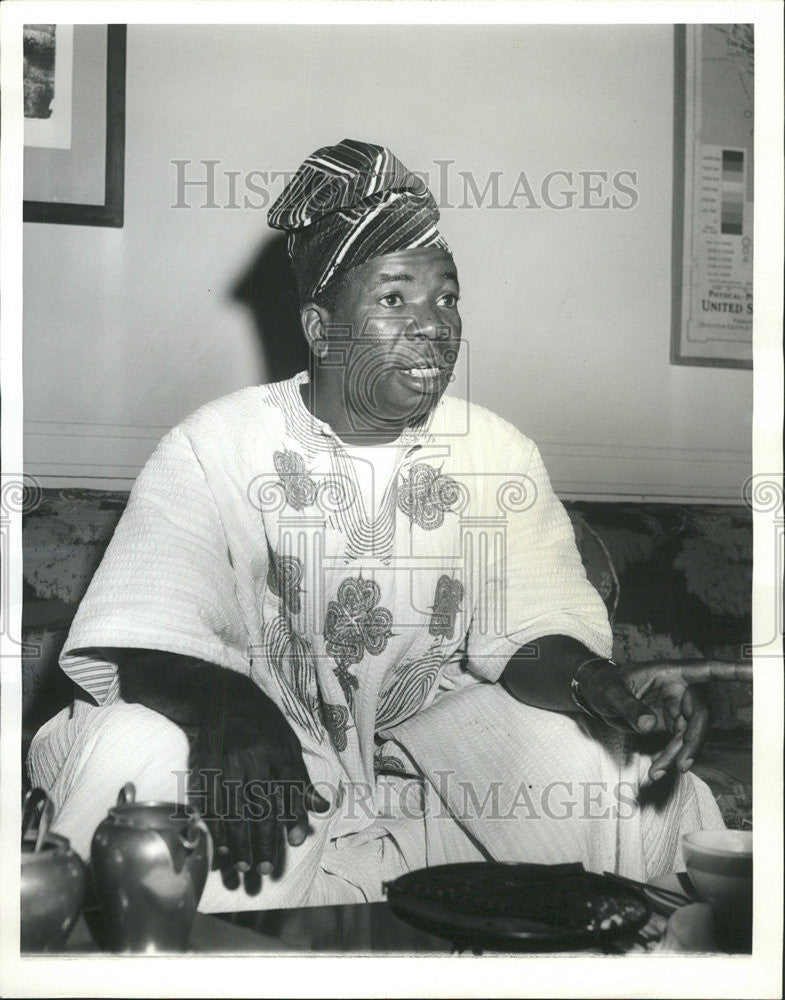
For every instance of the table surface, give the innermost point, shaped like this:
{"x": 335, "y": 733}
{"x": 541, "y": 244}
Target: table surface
{"x": 364, "y": 928}
{"x": 360, "y": 928}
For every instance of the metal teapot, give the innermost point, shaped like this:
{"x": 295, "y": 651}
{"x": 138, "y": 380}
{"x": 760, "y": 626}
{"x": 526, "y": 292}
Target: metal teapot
{"x": 53, "y": 879}
{"x": 149, "y": 864}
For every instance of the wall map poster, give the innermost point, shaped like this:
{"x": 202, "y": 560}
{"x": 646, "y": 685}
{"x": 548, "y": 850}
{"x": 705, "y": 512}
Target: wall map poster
{"x": 713, "y": 195}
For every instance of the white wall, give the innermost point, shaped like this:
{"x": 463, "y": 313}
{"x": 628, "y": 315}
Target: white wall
{"x": 566, "y": 312}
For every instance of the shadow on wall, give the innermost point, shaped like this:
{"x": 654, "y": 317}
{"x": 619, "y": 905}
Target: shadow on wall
{"x": 268, "y": 290}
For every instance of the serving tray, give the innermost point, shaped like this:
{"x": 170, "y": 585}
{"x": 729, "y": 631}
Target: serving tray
{"x": 517, "y": 907}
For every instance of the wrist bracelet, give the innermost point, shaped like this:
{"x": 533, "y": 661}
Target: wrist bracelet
{"x": 575, "y": 685}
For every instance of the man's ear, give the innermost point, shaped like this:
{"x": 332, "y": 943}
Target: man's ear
{"x": 314, "y": 319}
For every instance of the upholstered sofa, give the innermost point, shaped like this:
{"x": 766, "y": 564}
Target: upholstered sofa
{"x": 676, "y": 578}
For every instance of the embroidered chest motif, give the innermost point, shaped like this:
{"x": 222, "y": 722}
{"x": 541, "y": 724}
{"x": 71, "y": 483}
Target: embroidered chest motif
{"x": 426, "y": 495}
{"x": 354, "y": 625}
{"x": 298, "y": 486}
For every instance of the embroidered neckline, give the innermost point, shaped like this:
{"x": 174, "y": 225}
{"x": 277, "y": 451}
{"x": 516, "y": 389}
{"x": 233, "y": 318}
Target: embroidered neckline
{"x": 365, "y": 536}
{"x": 313, "y": 432}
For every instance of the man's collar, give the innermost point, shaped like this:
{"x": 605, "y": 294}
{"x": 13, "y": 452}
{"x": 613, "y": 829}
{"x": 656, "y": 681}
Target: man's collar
{"x": 319, "y": 435}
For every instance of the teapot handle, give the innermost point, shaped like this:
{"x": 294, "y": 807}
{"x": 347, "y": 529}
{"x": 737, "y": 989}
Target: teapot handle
{"x": 190, "y": 838}
{"x": 127, "y": 795}
{"x": 181, "y": 843}
{"x": 35, "y": 798}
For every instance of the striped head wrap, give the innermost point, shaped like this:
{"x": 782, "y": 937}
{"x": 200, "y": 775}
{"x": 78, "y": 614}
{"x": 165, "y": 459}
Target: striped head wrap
{"x": 346, "y": 204}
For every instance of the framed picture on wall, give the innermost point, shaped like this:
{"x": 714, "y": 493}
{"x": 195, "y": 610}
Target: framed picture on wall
{"x": 714, "y": 119}
{"x": 74, "y": 94}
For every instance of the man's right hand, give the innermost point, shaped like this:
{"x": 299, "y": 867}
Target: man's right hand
{"x": 250, "y": 782}
{"x": 247, "y": 776}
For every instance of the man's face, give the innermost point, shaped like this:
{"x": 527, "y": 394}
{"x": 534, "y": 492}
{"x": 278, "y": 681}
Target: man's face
{"x": 396, "y": 330}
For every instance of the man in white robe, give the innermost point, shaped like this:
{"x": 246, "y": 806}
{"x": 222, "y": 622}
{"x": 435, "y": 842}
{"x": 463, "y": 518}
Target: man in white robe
{"x": 345, "y": 615}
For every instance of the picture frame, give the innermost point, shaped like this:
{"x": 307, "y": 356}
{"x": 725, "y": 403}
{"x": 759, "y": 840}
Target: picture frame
{"x": 83, "y": 184}
{"x": 712, "y": 221}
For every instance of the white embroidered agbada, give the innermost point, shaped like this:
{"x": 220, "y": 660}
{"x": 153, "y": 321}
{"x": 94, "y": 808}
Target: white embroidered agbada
{"x": 374, "y": 606}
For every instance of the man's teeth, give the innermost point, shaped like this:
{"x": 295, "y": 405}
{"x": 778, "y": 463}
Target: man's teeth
{"x": 422, "y": 372}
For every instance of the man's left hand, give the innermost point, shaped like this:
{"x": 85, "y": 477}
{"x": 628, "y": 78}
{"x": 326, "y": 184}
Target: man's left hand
{"x": 659, "y": 697}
